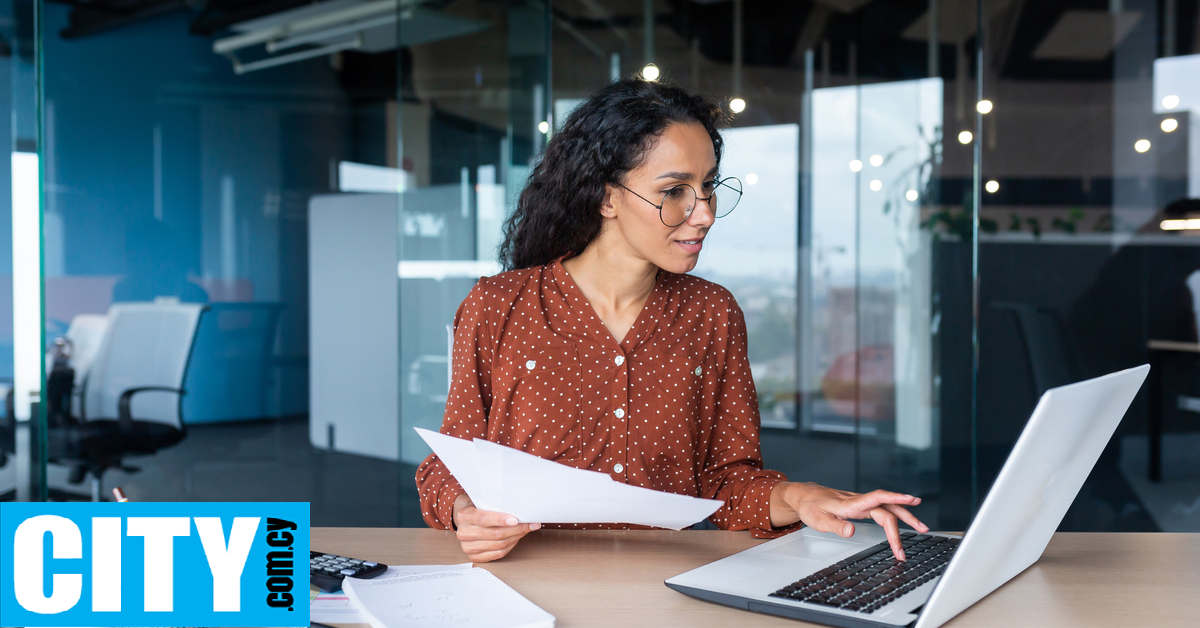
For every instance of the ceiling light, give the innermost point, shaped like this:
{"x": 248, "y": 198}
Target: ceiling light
{"x": 544, "y": 126}
{"x": 1170, "y": 102}
{"x": 650, "y": 72}
{"x": 855, "y": 165}
{"x": 877, "y": 160}
{"x": 737, "y": 105}
{"x": 965, "y": 137}
{"x": 876, "y": 185}
{"x": 751, "y": 178}
{"x": 911, "y": 195}
{"x": 1141, "y": 146}
{"x": 1180, "y": 224}
{"x": 1170, "y": 124}
{"x": 984, "y": 106}
{"x": 992, "y": 186}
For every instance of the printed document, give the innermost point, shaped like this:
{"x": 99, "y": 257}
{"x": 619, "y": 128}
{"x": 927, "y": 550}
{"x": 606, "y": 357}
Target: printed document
{"x": 472, "y": 598}
{"x": 336, "y": 607}
{"x": 536, "y": 490}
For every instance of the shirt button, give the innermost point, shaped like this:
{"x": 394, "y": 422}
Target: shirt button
{"x": 698, "y": 370}
{"x": 620, "y": 360}
{"x": 530, "y": 365}
{"x": 620, "y": 413}
{"x": 618, "y": 467}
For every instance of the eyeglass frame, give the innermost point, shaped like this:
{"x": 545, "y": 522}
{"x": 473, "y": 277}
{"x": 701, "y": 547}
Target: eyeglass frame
{"x": 659, "y": 207}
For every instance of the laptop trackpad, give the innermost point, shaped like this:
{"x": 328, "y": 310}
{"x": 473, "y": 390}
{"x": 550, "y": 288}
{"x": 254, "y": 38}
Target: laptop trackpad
{"x": 814, "y": 548}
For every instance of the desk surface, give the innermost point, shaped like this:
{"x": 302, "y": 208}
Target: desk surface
{"x": 615, "y": 578}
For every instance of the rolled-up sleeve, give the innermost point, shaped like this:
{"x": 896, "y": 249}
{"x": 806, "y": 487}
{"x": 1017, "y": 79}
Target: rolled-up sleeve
{"x": 467, "y": 405}
{"x": 733, "y": 468}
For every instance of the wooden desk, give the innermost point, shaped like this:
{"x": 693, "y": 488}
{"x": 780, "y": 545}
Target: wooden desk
{"x": 615, "y": 578}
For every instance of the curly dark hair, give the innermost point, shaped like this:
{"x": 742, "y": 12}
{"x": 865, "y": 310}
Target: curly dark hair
{"x": 610, "y": 134}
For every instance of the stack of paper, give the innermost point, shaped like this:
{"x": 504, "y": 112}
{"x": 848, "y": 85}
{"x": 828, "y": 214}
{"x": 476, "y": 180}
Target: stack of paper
{"x": 535, "y": 490}
{"x": 471, "y": 598}
{"x": 337, "y": 608}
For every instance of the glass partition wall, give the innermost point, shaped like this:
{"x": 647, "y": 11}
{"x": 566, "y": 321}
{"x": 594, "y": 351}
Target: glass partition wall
{"x": 838, "y": 118}
{"x": 950, "y": 206}
{"x": 182, "y": 161}
{"x": 480, "y": 105}
{"x": 1091, "y": 168}
{"x": 315, "y": 199}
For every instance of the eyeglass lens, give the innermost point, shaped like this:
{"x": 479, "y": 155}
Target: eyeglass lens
{"x": 679, "y": 202}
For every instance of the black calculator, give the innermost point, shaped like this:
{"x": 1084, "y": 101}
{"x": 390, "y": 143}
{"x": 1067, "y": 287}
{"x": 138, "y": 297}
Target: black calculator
{"x": 326, "y": 571}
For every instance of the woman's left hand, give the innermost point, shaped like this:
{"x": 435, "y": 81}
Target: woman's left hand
{"x": 826, "y": 510}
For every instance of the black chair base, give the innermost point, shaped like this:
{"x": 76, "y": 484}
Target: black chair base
{"x": 93, "y": 447}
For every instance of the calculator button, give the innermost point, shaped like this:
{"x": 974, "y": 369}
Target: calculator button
{"x": 369, "y": 564}
{"x": 355, "y": 561}
{"x": 348, "y": 572}
{"x": 328, "y": 556}
{"x": 330, "y": 569}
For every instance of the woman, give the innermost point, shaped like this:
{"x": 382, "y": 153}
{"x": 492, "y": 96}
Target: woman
{"x": 597, "y": 351}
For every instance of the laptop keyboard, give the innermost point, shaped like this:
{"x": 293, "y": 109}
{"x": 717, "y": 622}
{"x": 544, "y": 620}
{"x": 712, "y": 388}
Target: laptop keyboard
{"x": 873, "y": 578}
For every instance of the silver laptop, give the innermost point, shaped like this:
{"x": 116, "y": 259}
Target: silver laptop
{"x": 823, "y": 578}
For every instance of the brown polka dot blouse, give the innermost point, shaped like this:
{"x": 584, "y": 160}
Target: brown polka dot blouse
{"x": 671, "y": 408}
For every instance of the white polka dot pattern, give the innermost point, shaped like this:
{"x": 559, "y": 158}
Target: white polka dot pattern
{"x": 672, "y": 407}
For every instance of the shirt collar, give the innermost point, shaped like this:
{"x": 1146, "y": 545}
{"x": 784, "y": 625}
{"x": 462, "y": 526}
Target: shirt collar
{"x": 587, "y": 320}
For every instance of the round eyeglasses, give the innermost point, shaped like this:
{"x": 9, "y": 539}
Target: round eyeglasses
{"x": 679, "y": 201}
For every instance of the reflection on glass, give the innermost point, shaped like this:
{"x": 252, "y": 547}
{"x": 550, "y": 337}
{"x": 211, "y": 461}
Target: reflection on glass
{"x": 872, "y": 347}
{"x": 752, "y": 252}
{"x": 473, "y": 136}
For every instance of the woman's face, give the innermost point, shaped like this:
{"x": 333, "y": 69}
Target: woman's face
{"x": 682, "y": 154}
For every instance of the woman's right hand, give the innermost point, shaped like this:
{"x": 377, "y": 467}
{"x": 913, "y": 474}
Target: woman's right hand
{"x": 484, "y": 535}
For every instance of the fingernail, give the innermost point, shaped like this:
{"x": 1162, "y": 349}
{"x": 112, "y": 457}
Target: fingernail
{"x": 535, "y": 526}
{"x": 909, "y": 496}
{"x": 847, "y": 530}
{"x": 512, "y": 521}
{"x": 902, "y": 556}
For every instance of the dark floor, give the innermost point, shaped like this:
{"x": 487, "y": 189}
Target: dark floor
{"x": 272, "y": 460}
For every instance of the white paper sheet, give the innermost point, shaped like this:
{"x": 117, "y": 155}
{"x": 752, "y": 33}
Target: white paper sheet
{"x": 472, "y": 598}
{"x": 337, "y": 608}
{"x": 535, "y": 490}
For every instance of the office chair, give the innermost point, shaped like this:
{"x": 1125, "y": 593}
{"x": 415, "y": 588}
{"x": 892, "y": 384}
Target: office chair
{"x": 1052, "y": 360}
{"x": 232, "y": 362}
{"x": 83, "y": 339}
{"x": 137, "y": 370}
{"x": 8, "y": 424}
{"x": 84, "y": 336}
{"x": 1184, "y": 402}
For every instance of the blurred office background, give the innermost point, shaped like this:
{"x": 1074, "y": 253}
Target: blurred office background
{"x": 277, "y": 205}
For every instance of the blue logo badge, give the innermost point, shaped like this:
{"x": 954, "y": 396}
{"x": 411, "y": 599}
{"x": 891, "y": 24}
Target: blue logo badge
{"x": 154, "y": 564}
